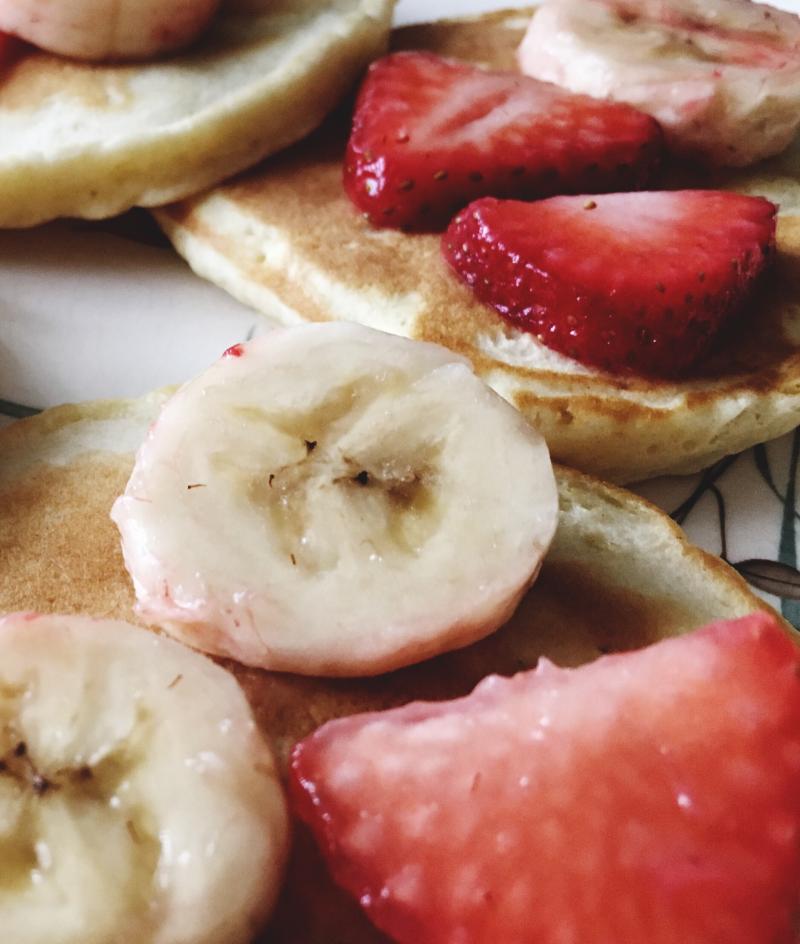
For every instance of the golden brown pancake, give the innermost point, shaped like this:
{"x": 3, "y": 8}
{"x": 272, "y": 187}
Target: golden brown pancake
{"x": 88, "y": 140}
{"x": 620, "y": 575}
{"x": 285, "y": 239}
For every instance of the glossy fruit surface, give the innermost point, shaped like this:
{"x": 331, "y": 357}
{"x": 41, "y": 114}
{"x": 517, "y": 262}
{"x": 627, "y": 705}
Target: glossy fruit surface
{"x": 639, "y": 282}
{"x": 431, "y": 134}
{"x": 648, "y": 797}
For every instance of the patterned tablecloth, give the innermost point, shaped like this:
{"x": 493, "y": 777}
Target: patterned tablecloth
{"x": 108, "y": 310}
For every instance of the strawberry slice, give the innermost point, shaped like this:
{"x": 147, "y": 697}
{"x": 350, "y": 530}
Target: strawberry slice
{"x": 637, "y": 282}
{"x": 431, "y": 134}
{"x": 647, "y": 797}
{"x": 12, "y": 49}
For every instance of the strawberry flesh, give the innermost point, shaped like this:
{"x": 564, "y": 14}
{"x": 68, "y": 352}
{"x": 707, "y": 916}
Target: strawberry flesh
{"x": 432, "y": 134}
{"x": 639, "y": 282}
{"x": 652, "y": 796}
{"x": 12, "y": 50}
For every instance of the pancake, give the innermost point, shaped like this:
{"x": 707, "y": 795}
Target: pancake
{"x": 619, "y": 575}
{"x": 285, "y": 240}
{"x": 87, "y": 140}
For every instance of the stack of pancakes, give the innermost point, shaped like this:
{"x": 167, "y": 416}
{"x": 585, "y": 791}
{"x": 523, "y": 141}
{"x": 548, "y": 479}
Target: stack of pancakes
{"x": 284, "y": 239}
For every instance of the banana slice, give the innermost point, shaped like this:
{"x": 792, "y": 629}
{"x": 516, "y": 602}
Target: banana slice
{"x": 138, "y": 803}
{"x": 107, "y": 29}
{"x": 329, "y": 499}
{"x": 722, "y": 76}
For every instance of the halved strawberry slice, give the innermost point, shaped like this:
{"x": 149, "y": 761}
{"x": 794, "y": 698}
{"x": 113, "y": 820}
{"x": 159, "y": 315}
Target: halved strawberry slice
{"x": 637, "y": 282}
{"x": 431, "y": 134}
{"x": 648, "y": 797}
{"x": 12, "y": 49}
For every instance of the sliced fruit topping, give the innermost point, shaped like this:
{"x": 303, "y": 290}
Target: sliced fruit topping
{"x": 11, "y": 49}
{"x": 431, "y": 134}
{"x": 107, "y": 29}
{"x": 637, "y": 282}
{"x": 336, "y": 501}
{"x": 722, "y": 76}
{"x": 133, "y": 785}
{"x": 652, "y": 796}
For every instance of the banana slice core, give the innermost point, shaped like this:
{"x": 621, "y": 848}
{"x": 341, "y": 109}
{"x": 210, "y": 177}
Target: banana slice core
{"x": 138, "y": 801}
{"x": 329, "y": 499}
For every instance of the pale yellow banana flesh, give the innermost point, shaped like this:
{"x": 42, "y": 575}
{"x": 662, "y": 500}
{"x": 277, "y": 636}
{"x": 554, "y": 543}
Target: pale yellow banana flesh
{"x": 133, "y": 786}
{"x": 335, "y": 500}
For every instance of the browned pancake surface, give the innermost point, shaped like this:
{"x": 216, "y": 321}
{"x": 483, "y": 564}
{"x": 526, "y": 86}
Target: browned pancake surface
{"x": 59, "y": 552}
{"x": 585, "y": 416}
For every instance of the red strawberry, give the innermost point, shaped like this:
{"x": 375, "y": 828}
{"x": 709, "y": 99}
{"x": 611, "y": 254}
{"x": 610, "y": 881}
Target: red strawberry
{"x": 649, "y": 797}
{"x": 624, "y": 281}
{"x": 431, "y": 134}
{"x": 12, "y": 50}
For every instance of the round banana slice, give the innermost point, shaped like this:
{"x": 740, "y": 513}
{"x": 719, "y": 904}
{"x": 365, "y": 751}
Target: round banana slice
{"x": 107, "y": 29}
{"x": 721, "y": 76}
{"x": 332, "y": 500}
{"x": 138, "y": 802}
